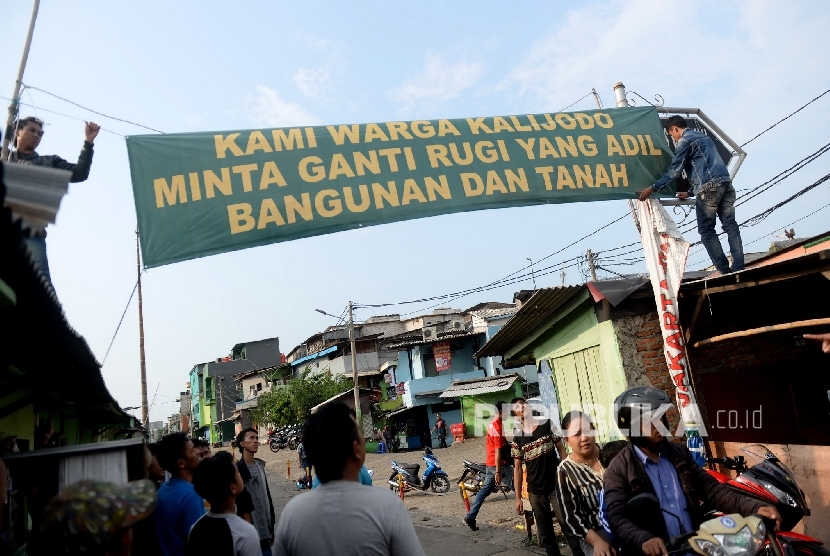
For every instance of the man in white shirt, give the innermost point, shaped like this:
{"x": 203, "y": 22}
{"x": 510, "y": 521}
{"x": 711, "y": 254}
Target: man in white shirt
{"x": 348, "y": 518}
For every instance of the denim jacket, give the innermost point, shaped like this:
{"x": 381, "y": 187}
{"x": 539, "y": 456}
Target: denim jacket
{"x": 695, "y": 153}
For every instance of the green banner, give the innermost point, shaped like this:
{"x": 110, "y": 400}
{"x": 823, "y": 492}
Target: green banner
{"x": 198, "y": 194}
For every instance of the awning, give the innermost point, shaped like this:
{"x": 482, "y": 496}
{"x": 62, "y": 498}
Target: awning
{"x": 478, "y": 387}
{"x": 397, "y": 411}
{"x": 370, "y": 372}
{"x": 430, "y": 394}
{"x": 247, "y": 404}
{"x": 615, "y": 291}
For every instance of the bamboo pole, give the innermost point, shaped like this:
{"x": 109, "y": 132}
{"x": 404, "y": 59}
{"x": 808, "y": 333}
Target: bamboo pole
{"x": 761, "y": 330}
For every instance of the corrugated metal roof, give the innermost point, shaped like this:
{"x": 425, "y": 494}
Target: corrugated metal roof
{"x": 536, "y": 310}
{"x": 495, "y": 313}
{"x": 34, "y": 193}
{"x": 476, "y": 387}
{"x": 440, "y": 337}
{"x": 313, "y": 356}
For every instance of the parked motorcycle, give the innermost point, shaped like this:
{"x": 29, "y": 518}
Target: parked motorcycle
{"x": 474, "y": 475}
{"x": 434, "y": 477}
{"x": 766, "y": 479}
{"x": 277, "y": 441}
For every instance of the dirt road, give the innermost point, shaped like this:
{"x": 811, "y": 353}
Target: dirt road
{"x": 438, "y": 519}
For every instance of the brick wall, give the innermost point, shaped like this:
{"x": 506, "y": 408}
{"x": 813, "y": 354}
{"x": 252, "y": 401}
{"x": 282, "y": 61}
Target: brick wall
{"x": 644, "y": 362}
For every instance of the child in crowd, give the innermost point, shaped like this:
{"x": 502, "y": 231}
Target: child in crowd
{"x": 220, "y": 531}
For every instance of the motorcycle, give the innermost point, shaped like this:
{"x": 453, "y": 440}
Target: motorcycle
{"x": 277, "y": 441}
{"x": 724, "y": 535}
{"x": 766, "y": 479}
{"x": 434, "y": 477}
{"x": 474, "y": 475}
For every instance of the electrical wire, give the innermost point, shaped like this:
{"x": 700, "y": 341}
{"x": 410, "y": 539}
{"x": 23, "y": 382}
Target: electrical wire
{"x": 90, "y": 109}
{"x": 758, "y": 218}
{"x": 775, "y": 180}
{"x": 59, "y": 114}
{"x": 761, "y": 216}
{"x": 500, "y": 281}
{"x": 785, "y": 226}
{"x": 786, "y": 118}
{"x": 117, "y": 328}
{"x": 578, "y": 101}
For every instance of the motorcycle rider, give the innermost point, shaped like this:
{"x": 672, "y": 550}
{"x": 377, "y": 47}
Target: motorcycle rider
{"x": 652, "y": 464}
{"x": 495, "y": 460}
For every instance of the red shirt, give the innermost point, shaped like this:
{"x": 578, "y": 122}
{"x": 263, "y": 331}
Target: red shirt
{"x": 494, "y": 441}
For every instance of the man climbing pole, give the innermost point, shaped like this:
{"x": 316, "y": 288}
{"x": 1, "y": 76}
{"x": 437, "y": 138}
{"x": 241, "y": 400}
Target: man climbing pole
{"x": 695, "y": 153}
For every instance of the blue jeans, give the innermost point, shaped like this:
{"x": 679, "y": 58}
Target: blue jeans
{"x": 37, "y": 249}
{"x": 267, "y": 552}
{"x": 719, "y": 201}
{"x": 488, "y": 487}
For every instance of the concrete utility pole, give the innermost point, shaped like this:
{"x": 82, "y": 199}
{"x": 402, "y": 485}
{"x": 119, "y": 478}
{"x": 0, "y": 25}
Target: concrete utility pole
{"x": 17, "y": 83}
{"x": 145, "y": 413}
{"x": 354, "y": 368}
{"x": 590, "y": 258}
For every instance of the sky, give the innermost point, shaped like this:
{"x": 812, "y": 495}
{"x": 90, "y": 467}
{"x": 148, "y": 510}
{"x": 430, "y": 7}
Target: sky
{"x": 212, "y": 66}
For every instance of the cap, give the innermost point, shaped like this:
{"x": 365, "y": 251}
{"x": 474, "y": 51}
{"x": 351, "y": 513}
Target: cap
{"x": 88, "y": 514}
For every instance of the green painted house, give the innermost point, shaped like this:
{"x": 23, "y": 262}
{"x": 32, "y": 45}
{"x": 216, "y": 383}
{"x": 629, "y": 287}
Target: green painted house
{"x": 589, "y": 343}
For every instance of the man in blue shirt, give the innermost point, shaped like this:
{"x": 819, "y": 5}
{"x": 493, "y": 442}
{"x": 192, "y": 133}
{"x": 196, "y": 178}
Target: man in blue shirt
{"x": 695, "y": 153}
{"x": 650, "y": 464}
{"x": 178, "y": 507}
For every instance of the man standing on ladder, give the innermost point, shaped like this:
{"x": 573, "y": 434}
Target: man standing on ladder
{"x": 695, "y": 153}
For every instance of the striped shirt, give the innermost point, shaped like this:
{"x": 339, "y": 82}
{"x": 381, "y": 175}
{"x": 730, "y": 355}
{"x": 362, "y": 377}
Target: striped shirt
{"x": 579, "y": 490}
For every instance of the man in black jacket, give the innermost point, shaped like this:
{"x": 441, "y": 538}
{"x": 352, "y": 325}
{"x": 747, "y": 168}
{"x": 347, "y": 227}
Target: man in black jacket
{"x": 651, "y": 464}
{"x": 254, "y": 504}
{"x": 28, "y": 133}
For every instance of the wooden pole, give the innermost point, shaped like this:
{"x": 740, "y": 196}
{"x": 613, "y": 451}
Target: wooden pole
{"x": 18, "y": 82}
{"x": 354, "y": 368}
{"x": 761, "y": 330}
{"x": 145, "y": 413}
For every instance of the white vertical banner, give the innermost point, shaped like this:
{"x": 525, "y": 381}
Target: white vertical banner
{"x": 666, "y": 252}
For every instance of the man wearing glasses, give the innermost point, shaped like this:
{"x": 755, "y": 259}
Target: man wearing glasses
{"x": 28, "y": 134}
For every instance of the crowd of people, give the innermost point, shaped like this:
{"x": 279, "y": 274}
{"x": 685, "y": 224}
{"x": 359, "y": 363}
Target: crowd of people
{"x": 588, "y": 488}
{"x": 194, "y": 503}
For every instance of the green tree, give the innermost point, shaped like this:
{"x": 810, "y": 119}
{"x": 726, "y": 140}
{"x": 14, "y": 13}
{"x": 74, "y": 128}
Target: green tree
{"x": 293, "y": 402}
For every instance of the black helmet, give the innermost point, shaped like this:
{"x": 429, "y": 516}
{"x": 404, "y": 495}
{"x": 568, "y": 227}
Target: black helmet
{"x": 644, "y": 397}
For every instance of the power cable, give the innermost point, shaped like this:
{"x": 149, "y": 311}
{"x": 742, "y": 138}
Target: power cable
{"x": 117, "y": 328}
{"x": 59, "y": 114}
{"x": 778, "y": 178}
{"x": 758, "y": 218}
{"x": 786, "y": 117}
{"x": 578, "y": 101}
{"x": 90, "y": 109}
{"x": 766, "y": 235}
{"x": 462, "y": 293}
